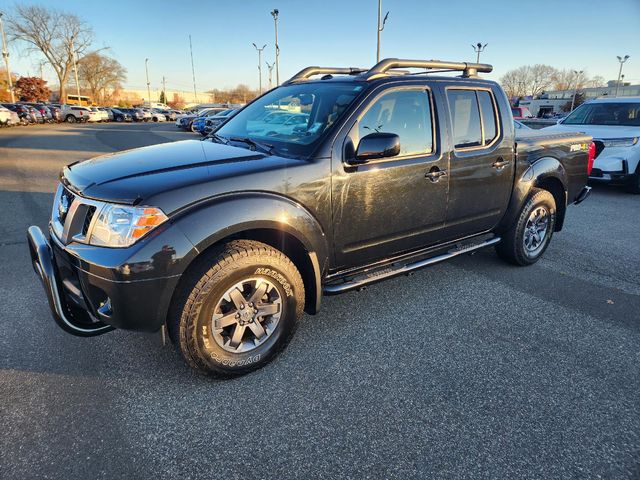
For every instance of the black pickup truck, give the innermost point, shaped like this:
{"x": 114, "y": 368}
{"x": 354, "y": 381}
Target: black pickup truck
{"x": 319, "y": 186}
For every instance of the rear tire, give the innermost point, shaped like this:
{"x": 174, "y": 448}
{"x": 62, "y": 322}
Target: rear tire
{"x": 70, "y": 119}
{"x": 528, "y": 239}
{"x": 219, "y": 318}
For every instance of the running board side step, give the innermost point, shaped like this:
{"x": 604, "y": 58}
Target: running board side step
{"x": 364, "y": 279}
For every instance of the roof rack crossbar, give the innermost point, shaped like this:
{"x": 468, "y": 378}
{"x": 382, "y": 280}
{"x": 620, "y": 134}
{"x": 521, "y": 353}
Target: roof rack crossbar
{"x": 467, "y": 69}
{"x": 308, "y": 72}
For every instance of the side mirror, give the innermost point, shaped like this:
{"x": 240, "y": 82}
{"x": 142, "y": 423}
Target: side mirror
{"x": 377, "y": 145}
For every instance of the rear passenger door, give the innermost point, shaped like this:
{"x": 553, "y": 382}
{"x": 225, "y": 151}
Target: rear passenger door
{"x": 482, "y": 161}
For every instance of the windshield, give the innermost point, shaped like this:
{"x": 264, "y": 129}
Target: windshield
{"x": 609, "y": 113}
{"x": 293, "y": 118}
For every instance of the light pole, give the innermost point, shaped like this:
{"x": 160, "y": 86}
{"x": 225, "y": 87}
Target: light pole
{"x": 193, "y": 71}
{"x": 479, "y": 48}
{"x": 270, "y": 67}
{"x": 259, "y": 50}
{"x": 75, "y": 69}
{"x": 164, "y": 90}
{"x": 146, "y": 68}
{"x": 274, "y": 14}
{"x": 380, "y": 28}
{"x": 5, "y": 54}
{"x": 621, "y": 60}
{"x": 575, "y": 90}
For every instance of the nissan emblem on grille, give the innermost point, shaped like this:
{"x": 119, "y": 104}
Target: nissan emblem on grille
{"x": 63, "y": 206}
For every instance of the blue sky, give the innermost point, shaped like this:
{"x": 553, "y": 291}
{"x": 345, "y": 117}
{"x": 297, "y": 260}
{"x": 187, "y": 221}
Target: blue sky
{"x": 584, "y": 35}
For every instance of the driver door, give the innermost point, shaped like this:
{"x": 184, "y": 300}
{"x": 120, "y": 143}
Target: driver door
{"x": 391, "y": 205}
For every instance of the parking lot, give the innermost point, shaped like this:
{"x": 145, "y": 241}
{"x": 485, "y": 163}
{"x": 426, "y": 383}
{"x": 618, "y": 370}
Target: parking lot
{"x": 468, "y": 369}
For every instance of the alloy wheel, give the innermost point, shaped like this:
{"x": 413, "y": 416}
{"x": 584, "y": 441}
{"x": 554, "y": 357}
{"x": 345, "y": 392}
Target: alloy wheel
{"x": 246, "y": 315}
{"x": 535, "y": 230}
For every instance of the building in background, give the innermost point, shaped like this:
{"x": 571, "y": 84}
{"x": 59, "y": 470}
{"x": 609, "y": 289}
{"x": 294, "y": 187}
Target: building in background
{"x": 551, "y": 102}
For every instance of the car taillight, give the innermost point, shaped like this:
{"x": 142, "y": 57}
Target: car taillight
{"x": 81, "y": 113}
{"x": 591, "y": 157}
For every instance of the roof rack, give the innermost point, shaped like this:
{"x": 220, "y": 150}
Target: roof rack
{"x": 389, "y": 66}
{"x": 308, "y": 72}
{"x": 383, "y": 67}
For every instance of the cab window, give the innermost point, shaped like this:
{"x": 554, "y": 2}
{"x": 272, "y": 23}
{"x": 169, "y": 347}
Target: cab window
{"x": 407, "y": 113}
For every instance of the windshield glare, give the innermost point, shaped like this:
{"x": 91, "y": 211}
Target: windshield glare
{"x": 609, "y": 113}
{"x": 293, "y": 118}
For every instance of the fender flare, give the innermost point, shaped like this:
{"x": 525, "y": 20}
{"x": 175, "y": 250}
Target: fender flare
{"x": 537, "y": 175}
{"x": 207, "y": 223}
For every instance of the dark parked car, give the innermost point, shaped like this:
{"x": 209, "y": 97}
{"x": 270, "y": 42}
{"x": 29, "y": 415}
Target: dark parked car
{"x": 214, "y": 122}
{"x": 36, "y": 115}
{"x": 186, "y": 122}
{"x": 225, "y": 241}
{"x": 46, "y": 115}
{"x": 120, "y": 116}
{"x": 55, "y": 112}
{"x": 137, "y": 115}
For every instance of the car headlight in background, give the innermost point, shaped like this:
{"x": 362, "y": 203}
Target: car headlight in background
{"x": 121, "y": 225}
{"x": 620, "y": 142}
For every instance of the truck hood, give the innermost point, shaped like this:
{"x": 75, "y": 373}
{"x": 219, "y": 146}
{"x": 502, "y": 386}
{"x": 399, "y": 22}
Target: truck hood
{"x": 134, "y": 175}
{"x": 597, "y": 131}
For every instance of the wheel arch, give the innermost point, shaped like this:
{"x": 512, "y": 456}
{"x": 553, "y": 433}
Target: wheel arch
{"x": 546, "y": 173}
{"x": 268, "y": 218}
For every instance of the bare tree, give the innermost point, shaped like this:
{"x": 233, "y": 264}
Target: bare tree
{"x": 516, "y": 82}
{"x": 52, "y": 33}
{"x": 99, "y": 73}
{"x": 568, "y": 79}
{"x": 541, "y": 78}
{"x": 596, "y": 81}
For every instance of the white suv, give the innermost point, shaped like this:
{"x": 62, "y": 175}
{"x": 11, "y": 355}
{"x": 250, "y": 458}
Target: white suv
{"x": 75, "y": 113}
{"x": 614, "y": 124}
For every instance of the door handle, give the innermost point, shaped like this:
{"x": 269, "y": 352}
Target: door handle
{"x": 435, "y": 174}
{"x": 500, "y": 163}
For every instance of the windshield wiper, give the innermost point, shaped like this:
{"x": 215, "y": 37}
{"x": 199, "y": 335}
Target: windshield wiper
{"x": 263, "y": 147}
{"x": 217, "y": 138}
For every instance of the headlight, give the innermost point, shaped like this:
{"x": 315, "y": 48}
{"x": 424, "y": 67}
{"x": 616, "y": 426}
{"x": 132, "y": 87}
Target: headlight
{"x": 121, "y": 226}
{"x": 620, "y": 142}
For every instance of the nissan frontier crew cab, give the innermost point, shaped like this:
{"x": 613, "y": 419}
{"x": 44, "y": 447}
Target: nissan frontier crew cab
{"x": 225, "y": 241}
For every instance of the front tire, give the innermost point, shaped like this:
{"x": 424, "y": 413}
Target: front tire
{"x": 237, "y": 308}
{"x": 528, "y": 239}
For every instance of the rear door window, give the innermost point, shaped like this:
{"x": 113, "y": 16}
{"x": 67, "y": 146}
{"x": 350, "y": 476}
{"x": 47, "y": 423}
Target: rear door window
{"x": 489, "y": 120}
{"x": 473, "y": 116}
{"x": 465, "y": 116}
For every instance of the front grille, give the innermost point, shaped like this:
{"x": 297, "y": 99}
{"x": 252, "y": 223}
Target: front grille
{"x": 72, "y": 216}
{"x": 91, "y": 211}
{"x": 64, "y": 203}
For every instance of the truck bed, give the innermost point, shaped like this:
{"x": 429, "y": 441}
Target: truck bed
{"x": 569, "y": 149}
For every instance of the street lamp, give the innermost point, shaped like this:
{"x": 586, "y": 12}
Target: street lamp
{"x": 75, "y": 69}
{"x": 479, "y": 48}
{"x": 575, "y": 90}
{"x": 380, "y": 27}
{"x": 146, "y": 68}
{"x": 274, "y": 14}
{"x": 621, "y": 60}
{"x": 270, "y": 67}
{"x": 5, "y": 54}
{"x": 259, "y": 50}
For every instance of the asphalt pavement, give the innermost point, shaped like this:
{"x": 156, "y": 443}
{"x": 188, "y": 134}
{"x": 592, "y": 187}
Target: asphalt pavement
{"x": 468, "y": 369}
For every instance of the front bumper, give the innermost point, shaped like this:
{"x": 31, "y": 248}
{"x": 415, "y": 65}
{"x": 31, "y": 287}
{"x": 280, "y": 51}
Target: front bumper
{"x": 85, "y": 304}
{"x": 616, "y": 177}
